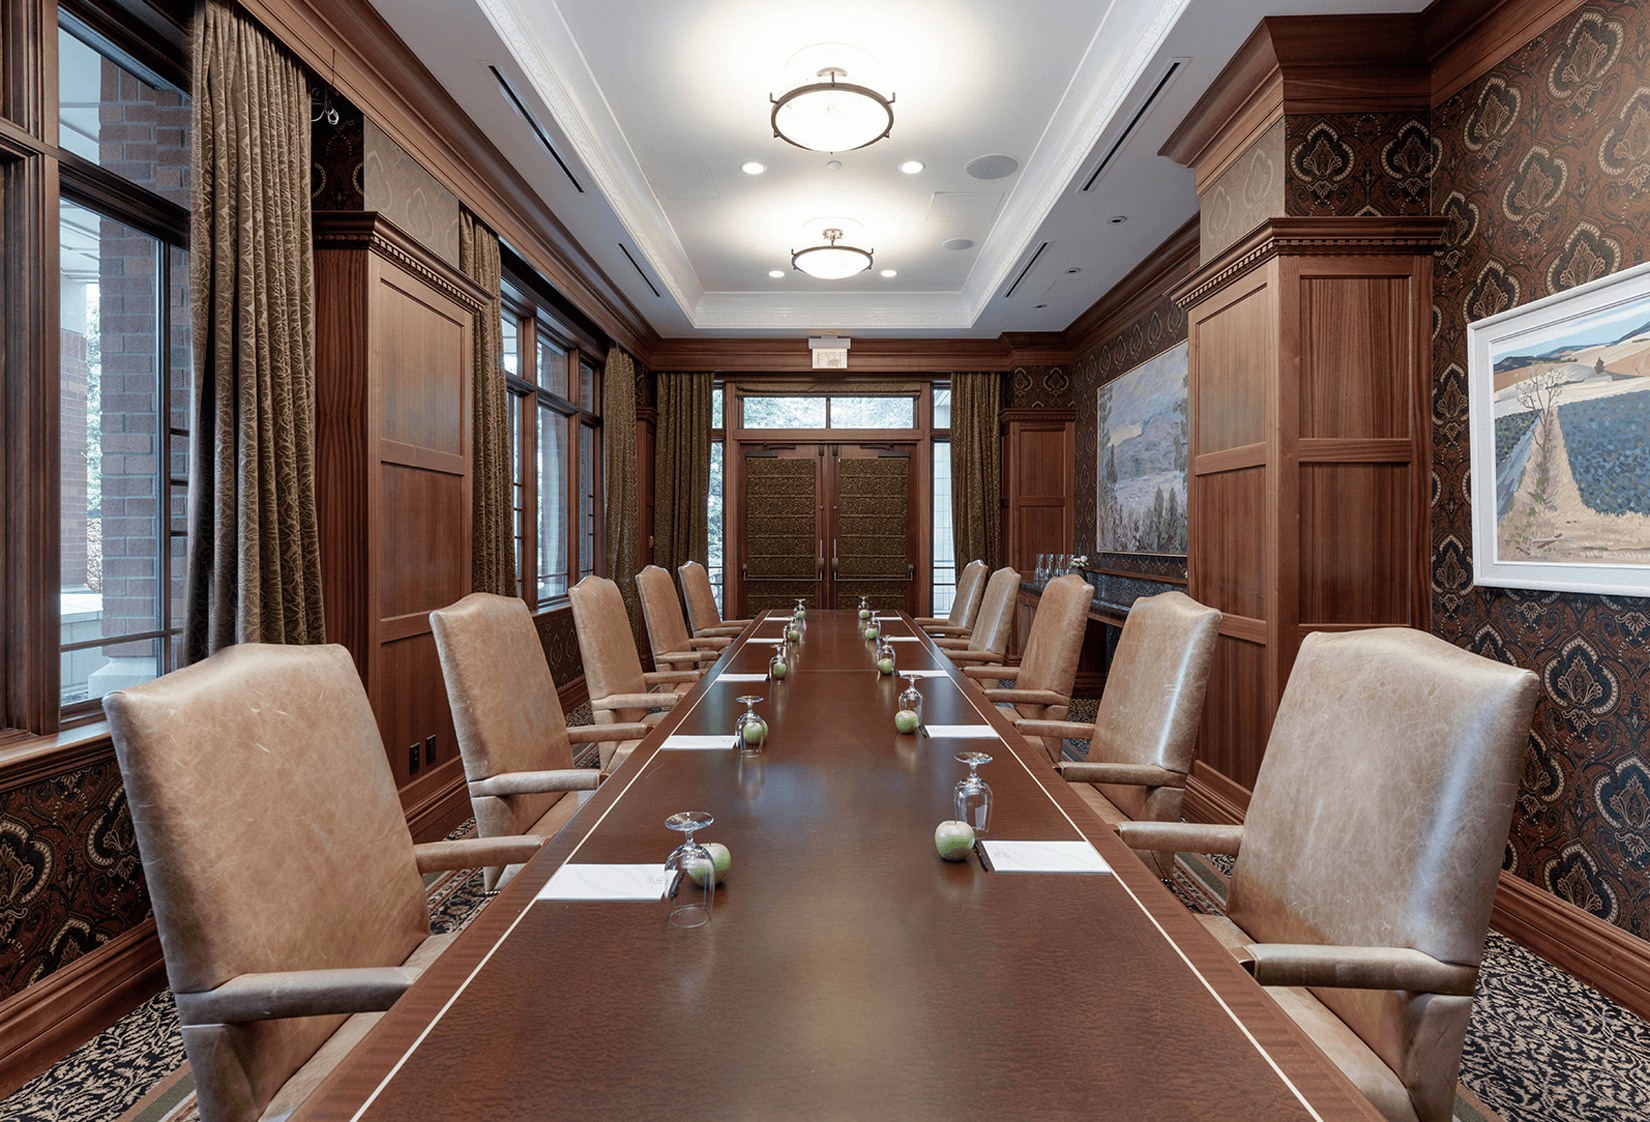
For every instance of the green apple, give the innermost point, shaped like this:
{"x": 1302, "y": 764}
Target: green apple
{"x": 723, "y": 861}
{"x": 885, "y": 666}
{"x": 756, "y": 733}
{"x": 793, "y": 635}
{"x": 871, "y": 632}
{"x": 865, "y": 613}
{"x": 954, "y": 840}
{"x": 779, "y": 669}
{"x": 905, "y": 720}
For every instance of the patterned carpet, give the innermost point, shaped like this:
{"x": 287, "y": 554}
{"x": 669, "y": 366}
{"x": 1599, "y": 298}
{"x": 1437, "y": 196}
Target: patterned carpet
{"x": 1541, "y": 1048}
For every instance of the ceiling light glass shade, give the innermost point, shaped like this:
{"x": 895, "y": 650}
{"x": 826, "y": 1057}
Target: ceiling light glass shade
{"x": 832, "y": 116}
{"x": 831, "y": 261}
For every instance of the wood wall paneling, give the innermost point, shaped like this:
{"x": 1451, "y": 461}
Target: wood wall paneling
{"x": 1228, "y": 522}
{"x": 1356, "y": 378}
{"x": 1357, "y": 522}
{"x": 1233, "y": 345}
{"x": 1039, "y": 483}
{"x": 1234, "y": 726}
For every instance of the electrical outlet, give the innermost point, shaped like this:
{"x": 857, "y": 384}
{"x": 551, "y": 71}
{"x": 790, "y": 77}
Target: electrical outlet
{"x": 412, "y": 759}
{"x": 429, "y": 749}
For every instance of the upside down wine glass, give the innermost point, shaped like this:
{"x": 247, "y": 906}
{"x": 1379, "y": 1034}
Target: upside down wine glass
{"x": 750, "y": 731}
{"x": 909, "y": 717}
{"x": 973, "y": 794}
{"x": 779, "y": 667}
{"x": 689, "y": 902}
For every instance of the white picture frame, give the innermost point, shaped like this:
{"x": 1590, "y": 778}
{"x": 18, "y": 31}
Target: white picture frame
{"x": 1558, "y": 400}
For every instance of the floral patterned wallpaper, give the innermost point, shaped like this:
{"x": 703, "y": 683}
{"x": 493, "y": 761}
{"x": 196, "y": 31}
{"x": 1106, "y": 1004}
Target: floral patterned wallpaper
{"x": 1543, "y": 170}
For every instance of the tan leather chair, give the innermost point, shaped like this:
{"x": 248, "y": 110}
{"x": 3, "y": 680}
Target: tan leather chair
{"x": 619, "y": 690}
{"x": 512, "y": 734}
{"x": 285, "y": 884}
{"x": 1368, "y": 860}
{"x": 667, "y": 633}
{"x": 1042, "y": 682}
{"x": 1145, "y": 732}
{"x": 702, "y": 613}
{"x": 965, "y": 605}
{"x": 987, "y": 641}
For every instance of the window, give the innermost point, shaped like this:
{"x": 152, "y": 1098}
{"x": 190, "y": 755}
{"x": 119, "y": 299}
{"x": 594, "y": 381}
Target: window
{"x": 555, "y": 434}
{"x": 943, "y": 579}
{"x": 829, "y": 412}
{"x": 717, "y": 551}
{"x": 124, "y": 374}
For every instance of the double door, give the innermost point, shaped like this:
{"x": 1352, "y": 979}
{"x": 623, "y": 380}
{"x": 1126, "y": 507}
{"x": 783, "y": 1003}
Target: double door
{"x": 827, "y": 524}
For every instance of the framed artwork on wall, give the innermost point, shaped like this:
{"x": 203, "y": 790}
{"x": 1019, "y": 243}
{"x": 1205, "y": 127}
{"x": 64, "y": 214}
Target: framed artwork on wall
{"x": 1559, "y": 409}
{"x": 1141, "y": 505}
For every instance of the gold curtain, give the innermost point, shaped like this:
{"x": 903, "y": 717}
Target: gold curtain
{"x": 623, "y": 522}
{"x": 492, "y": 521}
{"x": 681, "y": 471}
{"x": 254, "y": 550}
{"x": 976, "y": 469}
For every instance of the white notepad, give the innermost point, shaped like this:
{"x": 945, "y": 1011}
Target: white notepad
{"x": 922, "y": 674}
{"x": 1044, "y": 857}
{"x": 682, "y": 740}
{"x": 964, "y": 732}
{"x": 741, "y": 677}
{"x": 900, "y": 638}
{"x": 606, "y": 882}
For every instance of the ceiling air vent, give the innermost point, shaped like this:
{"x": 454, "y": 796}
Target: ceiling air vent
{"x": 538, "y": 130}
{"x": 1159, "y": 88}
{"x": 1026, "y": 271}
{"x": 626, "y": 251}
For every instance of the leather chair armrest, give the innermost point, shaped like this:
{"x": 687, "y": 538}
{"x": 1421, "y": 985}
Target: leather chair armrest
{"x": 1137, "y": 775}
{"x": 473, "y": 853}
{"x": 686, "y": 656}
{"x": 727, "y": 630}
{"x": 973, "y": 656}
{"x": 666, "y": 677}
{"x": 535, "y": 782}
{"x": 951, "y": 644}
{"x": 1064, "y": 730}
{"x": 1180, "y": 837}
{"x": 1364, "y": 968}
{"x": 297, "y": 993}
{"x": 938, "y": 627}
{"x": 588, "y": 734}
{"x": 709, "y": 642}
{"x": 639, "y": 700}
{"x": 1026, "y": 697}
{"x": 993, "y": 673}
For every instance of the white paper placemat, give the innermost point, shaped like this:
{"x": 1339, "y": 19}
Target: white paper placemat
{"x": 741, "y": 677}
{"x": 1044, "y": 857}
{"x": 922, "y": 673}
{"x": 606, "y": 882}
{"x": 900, "y": 638}
{"x": 965, "y": 732}
{"x": 682, "y": 740}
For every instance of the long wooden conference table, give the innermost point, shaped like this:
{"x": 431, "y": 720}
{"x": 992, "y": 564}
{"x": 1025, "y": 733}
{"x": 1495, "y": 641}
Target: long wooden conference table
{"x": 847, "y": 972}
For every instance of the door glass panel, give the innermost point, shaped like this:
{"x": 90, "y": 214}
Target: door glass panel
{"x": 587, "y": 500}
{"x": 945, "y": 561}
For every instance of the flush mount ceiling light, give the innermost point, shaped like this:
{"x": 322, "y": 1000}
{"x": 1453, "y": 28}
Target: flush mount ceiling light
{"x": 831, "y": 261}
{"x": 832, "y": 116}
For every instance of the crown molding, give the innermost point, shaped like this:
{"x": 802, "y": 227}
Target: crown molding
{"x": 1465, "y": 38}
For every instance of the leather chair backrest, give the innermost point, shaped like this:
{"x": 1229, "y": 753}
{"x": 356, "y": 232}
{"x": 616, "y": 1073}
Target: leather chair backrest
{"x": 1049, "y": 661}
{"x": 996, "y": 614}
{"x": 1380, "y": 816}
{"x": 505, "y": 707}
{"x": 1153, "y": 701}
{"x": 611, "y": 664}
{"x": 271, "y": 834}
{"x": 965, "y": 605}
{"x": 666, "y": 629}
{"x": 700, "y": 598}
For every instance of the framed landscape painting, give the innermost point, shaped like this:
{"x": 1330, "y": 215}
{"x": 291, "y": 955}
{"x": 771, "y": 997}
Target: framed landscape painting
{"x": 1559, "y": 407}
{"x": 1142, "y": 463}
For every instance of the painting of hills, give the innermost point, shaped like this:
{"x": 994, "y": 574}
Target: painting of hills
{"x": 1142, "y": 462}
{"x": 1572, "y": 444}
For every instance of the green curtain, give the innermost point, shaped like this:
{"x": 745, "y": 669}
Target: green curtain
{"x": 976, "y": 469}
{"x": 681, "y": 471}
{"x": 623, "y": 522}
{"x": 254, "y": 568}
{"x": 492, "y": 520}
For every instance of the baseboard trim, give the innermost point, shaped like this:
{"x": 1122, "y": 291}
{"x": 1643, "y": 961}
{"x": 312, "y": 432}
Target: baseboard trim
{"x": 440, "y": 812}
{"x": 1595, "y": 952}
{"x": 1614, "y": 962}
{"x": 59, "y": 1013}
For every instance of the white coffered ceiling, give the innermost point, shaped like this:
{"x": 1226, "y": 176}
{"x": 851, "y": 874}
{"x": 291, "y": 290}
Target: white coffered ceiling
{"x": 653, "y": 106}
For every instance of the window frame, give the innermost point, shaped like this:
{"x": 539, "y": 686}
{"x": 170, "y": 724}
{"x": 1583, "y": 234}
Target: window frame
{"x": 537, "y": 322}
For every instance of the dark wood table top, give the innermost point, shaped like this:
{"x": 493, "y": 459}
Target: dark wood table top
{"x": 848, "y": 972}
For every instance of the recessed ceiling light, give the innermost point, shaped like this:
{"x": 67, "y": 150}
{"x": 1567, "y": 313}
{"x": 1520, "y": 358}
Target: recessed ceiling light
{"x": 958, "y": 243}
{"x": 752, "y": 168}
{"x": 1118, "y": 219}
{"x": 911, "y": 167}
{"x": 890, "y": 272}
{"x": 776, "y": 273}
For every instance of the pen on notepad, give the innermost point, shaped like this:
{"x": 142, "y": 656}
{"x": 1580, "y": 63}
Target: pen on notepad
{"x": 985, "y": 862}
